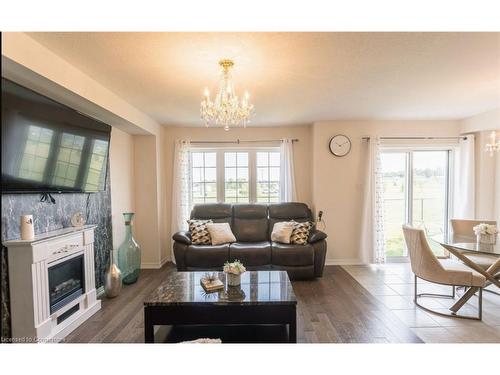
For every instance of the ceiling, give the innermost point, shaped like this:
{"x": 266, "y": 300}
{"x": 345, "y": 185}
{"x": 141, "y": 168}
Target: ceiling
{"x": 294, "y": 78}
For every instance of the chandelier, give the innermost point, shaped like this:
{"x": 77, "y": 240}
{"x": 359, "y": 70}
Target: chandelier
{"x": 494, "y": 145}
{"x": 226, "y": 109}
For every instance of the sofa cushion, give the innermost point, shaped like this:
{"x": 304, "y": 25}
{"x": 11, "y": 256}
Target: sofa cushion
{"x": 251, "y": 253}
{"x": 292, "y": 255}
{"x": 289, "y": 210}
{"x": 207, "y": 256}
{"x": 217, "y": 212}
{"x": 250, "y": 223}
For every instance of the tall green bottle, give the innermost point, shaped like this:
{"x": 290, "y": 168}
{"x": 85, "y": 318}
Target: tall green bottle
{"x": 129, "y": 253}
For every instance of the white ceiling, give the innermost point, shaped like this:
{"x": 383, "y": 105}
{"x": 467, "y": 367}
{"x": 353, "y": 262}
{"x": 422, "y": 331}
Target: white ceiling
{"x": 294, "y": 78}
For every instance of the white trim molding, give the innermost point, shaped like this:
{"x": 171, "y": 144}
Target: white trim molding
{"x": 154, "y": 265}
{"x": 344, "y": 262}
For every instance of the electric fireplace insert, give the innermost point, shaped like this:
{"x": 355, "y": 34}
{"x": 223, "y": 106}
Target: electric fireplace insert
{"x": 66, "y": 282}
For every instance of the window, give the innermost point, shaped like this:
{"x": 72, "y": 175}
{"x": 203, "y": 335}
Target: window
{"x": 268, "y": 176}
{"x": 416, "y": 191}
{"x": 204, "y": 177}
{"x": 236, "y": 178}
{"x": 235, "y": 175}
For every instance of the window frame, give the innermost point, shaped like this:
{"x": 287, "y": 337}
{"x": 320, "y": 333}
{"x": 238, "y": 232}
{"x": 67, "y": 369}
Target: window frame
{"x": 450, "y": 163}
{"x": 204, "y": 182}
{"x": 252, "y": 167}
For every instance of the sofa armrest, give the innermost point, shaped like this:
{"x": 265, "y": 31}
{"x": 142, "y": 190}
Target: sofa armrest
{"x": 182, "y": 237}
{"x": 316, "y": 235}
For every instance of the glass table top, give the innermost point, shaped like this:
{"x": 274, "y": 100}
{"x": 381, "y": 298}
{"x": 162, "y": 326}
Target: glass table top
{"x": 257, "y": 287}
{"x": 468, "y": 243}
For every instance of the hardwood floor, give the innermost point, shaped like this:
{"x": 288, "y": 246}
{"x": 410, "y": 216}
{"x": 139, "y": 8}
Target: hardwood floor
{"x": 335, "y": 309}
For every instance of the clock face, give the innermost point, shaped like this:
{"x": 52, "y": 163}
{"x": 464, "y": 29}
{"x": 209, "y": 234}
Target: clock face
{"x": 340, "y": 145}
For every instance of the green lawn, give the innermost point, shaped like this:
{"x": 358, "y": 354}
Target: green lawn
{"x": 428, "y": 209}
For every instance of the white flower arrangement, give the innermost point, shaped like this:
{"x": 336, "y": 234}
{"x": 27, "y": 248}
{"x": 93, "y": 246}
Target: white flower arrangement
{"x": 485, "y": 229}
{"x": 235, "y": 268}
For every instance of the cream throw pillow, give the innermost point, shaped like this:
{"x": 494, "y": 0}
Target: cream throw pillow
{"x": 282, "y": 231}
{"x": 220, "y": 233}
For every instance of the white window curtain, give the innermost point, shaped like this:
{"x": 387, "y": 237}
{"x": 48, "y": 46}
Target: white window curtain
{"x": 287, "y": 171}
{"x": 181, "y": 189}
{"x": 372, "y": 223}
{"x": 464, "y": 187}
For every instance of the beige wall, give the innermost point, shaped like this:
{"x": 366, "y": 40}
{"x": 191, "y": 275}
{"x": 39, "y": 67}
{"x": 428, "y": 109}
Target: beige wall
{"x": 338, "y": 182}
{"x": 302, "y": 159}
{"x": 121, "y": 163}
{"x": 484, "y": 121}
{"x": 146, "y": 222}
{"x": 487, "y": 167}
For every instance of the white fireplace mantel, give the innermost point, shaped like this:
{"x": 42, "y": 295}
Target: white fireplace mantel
{"x": 29, "y": 262}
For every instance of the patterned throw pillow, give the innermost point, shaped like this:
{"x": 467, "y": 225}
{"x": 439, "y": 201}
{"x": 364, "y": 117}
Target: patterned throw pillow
{"x": 199, "y": 232}
{"x": 300, "y": 233}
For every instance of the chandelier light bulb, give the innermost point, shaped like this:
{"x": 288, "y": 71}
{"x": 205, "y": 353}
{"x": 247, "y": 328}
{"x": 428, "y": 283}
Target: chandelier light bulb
{"x": 226, "y": 109}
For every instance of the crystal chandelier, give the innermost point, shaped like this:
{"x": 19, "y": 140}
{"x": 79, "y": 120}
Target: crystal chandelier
{"x": 226, "y": 109}
{"x": 494, "y": 145}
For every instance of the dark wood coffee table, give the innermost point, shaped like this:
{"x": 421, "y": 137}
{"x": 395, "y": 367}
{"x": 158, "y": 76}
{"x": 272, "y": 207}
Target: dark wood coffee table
{"x": 264, "y": 297}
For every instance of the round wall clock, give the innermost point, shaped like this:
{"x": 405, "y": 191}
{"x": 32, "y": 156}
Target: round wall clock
{"x": 340, "y": 145}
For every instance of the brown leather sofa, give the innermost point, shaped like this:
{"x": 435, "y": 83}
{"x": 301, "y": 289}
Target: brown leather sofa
{"x": 252, "y": 225}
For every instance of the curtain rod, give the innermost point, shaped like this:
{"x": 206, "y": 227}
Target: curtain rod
{"x": 460, "y": 137}
{"x": 238, "y": 141}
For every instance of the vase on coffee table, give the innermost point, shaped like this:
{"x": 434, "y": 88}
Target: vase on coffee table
{"x": 233, "y": 280}
{"x": 129, "y": 253}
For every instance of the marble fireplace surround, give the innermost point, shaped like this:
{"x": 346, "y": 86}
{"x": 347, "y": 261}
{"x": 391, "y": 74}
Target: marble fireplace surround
{"x": 49, "y": 217}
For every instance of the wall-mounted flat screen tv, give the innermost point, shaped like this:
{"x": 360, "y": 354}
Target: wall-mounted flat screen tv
{"x": 48, "y": 147}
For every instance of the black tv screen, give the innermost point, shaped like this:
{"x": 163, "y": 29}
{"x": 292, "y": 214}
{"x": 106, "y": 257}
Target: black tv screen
{"x": 48, "y": 147}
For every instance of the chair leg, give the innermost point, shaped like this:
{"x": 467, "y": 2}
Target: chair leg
{"x": 454, "y": 315}
{"x": 480, "y": 304}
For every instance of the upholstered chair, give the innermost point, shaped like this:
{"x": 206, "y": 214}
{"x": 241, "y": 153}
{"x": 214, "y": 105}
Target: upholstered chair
{"x": 426, "y": 266}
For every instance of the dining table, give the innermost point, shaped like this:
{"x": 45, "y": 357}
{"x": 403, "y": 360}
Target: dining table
{"x": 463, "y": 247}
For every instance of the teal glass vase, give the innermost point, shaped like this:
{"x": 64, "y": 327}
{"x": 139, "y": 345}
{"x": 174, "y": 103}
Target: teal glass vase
{"x": 129, "y": 253}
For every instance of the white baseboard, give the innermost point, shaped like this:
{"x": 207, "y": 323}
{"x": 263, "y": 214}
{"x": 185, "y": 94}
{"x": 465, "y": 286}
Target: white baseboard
{"x": 154, "y": 265}
{"x": 343, "y": 262}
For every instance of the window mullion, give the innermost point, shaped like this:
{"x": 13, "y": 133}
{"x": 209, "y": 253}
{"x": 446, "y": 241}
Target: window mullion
{"x": 252, "y": 173}
{"x": 220, "y": 176}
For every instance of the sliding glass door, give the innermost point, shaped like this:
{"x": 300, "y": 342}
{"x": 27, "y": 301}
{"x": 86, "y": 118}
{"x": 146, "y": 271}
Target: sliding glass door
{"x": 416, "y": 191}
{"x": 395, "y": 178}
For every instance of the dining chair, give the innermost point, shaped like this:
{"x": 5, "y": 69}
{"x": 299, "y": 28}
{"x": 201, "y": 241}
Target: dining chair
{"x": 463, "y": 227}
{"x": 426, "y": 266}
